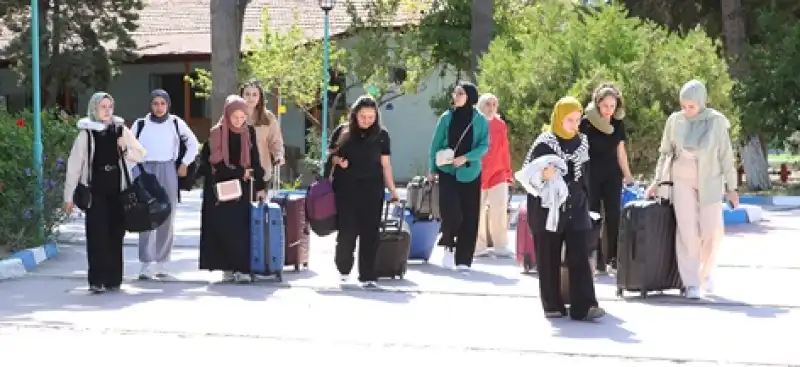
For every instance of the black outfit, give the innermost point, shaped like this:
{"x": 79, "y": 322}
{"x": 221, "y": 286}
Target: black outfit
{"x": 460, "y": 202}
{"x": 573, "y": 231}
{"x": 105, "y": 223}
{"x": 225, "y": 226}
{"x": 605, "y": 185}
{"x": 359, "y": 191}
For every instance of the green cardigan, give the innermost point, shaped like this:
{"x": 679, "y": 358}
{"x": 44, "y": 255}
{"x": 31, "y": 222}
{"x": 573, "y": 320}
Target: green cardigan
{"x": 480, "y": 145}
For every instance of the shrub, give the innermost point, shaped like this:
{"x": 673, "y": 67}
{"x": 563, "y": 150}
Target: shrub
{"x": 553, "y": 49}
{"x": 18, "y": 179}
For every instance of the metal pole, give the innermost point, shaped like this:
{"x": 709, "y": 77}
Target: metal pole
{"x": 326, "y": 77}
{"x": 37, "y": 115}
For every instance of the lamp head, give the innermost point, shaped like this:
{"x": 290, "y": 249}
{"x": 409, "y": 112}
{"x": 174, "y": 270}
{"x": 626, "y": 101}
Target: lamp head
{"x": 327, "y": 5}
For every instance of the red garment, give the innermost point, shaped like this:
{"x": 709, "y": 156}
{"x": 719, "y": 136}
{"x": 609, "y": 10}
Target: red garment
{"x": 496, "y": 164}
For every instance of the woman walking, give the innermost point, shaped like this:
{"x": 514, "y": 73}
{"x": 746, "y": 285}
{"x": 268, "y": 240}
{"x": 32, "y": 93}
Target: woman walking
{"x": 495, "y": 179}
{"x": 696, "y": 152}
{"x": 459, "y": 143}
{"x": 161, "y": 133}
{"x": 268, "y": 132}
{"x": 230, "y": 156}
{"x": 608, "y": 165}
{"x": 360, "y": 152}
{"x": 569, "y": 223}
{"x": 98, "y": 156}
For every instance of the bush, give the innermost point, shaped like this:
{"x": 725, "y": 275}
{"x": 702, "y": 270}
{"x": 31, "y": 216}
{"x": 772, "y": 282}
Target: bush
{"x": 18, "y": 179}
{"x": 553, "y": 49}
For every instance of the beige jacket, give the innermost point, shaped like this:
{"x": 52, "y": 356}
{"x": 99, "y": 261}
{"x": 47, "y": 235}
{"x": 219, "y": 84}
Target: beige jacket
{"x": 79, "y": 164}
{"x": 715, "y": 162}
{"x": 270, "y": 144}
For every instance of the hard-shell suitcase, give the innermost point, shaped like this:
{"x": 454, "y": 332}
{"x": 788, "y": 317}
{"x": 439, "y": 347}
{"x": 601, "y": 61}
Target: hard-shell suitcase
{"x": 524, "y": 238}
{"x": 646, "y": 256}
{"x": 423, "y": 198}
{"x": 394, "y": 245}
{"x": 297, "y": 229}
{"x": 267, "y": 239}
{"x": 423, "y": 234}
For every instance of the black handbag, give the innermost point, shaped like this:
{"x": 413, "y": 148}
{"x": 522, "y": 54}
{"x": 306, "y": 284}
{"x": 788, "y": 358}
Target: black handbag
{"x": 145, "y": 203}
{"x": 82, "y": 197}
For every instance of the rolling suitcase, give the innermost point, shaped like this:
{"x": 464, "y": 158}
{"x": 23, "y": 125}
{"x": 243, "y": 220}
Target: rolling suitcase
{"x": 646, "y": 256}
{"x": 394, "y": 246}
{"x": 267, "y": 239}
{"x": 423, "y": 198}
{"x": 423, "y": 234}
{"x": 524, "y": 238}
{"x": 297, "y": 229}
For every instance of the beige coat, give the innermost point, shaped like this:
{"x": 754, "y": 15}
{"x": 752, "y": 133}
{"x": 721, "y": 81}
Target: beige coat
{"x": 715, "y": 163}
{"x": 270, "y": 144}
{"x": 79, "y": 164}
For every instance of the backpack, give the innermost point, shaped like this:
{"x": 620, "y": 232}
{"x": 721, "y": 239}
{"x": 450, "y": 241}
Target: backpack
{"x": 184, "y": 183}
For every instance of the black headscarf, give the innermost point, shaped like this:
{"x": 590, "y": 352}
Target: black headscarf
{"x": 461, "y": 119}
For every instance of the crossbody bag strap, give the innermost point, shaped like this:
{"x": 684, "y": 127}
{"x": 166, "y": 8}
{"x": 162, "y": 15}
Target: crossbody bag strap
{"x": 88, "y": 158}
{"x": 463, "y": 134}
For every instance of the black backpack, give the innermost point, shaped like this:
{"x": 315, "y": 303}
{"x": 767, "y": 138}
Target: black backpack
{"x": 184, "y": 183}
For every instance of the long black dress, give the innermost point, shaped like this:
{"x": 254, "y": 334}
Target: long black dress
{"x": 225, "y": 226}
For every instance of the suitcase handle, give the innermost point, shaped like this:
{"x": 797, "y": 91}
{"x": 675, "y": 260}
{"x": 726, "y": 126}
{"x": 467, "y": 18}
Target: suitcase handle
{"x": 385, "y": 221}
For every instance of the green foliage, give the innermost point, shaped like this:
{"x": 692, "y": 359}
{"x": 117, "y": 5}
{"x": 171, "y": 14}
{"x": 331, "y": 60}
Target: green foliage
{"x": 18, "y": 180}
{"x": 769, "y": 96}
{"x": 557, "y": 50}
{"x": 445, "y": 31}
{"x": 82, "y": 44}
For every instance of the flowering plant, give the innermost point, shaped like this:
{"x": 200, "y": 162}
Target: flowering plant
{"x": 18, "y": 185}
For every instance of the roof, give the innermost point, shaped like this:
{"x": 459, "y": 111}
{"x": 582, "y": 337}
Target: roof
{"x": 184, "y": 26}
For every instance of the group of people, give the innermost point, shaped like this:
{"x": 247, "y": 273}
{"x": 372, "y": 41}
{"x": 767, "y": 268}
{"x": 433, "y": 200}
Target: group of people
{"x": 469, "y": 156}
{"x": 106, "y": 154}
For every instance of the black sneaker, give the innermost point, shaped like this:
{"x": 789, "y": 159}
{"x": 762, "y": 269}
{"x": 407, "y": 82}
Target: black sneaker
{"x": 112, "y": 288}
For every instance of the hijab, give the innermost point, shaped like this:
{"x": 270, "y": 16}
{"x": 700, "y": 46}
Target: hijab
{"x": 94, "y": 102}
{"x": 463, "y": 114}
{"x": 221, "y": 131}
{"x": 564, "y": 107}
{"x": 699, "y": 126}
{"x": 162, "y": 94}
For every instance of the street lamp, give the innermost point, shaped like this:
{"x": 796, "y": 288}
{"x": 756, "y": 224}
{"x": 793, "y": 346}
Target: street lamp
{"x": 37, "y": 115}
{"x": 326, "y": 6}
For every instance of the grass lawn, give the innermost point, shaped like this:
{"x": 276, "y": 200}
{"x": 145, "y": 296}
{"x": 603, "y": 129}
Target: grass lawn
{"x": 783, "y": 158}
{"x": 793, "y": 189}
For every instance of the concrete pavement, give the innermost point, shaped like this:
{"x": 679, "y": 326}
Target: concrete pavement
{"x": 489, "y": 315}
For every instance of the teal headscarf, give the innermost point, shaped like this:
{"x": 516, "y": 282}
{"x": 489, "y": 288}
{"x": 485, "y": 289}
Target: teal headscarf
{"x": 94, "y": 101}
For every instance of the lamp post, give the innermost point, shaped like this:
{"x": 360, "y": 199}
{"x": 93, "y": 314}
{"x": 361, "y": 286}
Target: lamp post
{"x": 37, "y": 115}
{"x": 326, "y": 6}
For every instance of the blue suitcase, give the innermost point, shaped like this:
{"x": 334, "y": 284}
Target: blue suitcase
{"x": 423, "y": 234}
{"x": 266, "y": 240}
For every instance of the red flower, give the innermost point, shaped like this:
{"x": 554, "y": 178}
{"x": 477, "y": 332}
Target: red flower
{"x": 2, "y": 187}
{"x": 20, "y": 122}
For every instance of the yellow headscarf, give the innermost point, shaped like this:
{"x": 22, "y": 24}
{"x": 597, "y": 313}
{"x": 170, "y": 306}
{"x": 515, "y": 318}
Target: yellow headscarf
{"x": 564, "y": 107}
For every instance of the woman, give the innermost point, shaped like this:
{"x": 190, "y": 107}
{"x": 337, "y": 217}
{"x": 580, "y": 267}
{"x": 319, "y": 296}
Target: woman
{"x": 97, "y": 160}
{"x": 161, "y": 133}
{"x": 461, "y": 140}
{"x": 231, "y": 153}
{"x": 608, "y": 166}
{"x": 495, "y": 178}
{"x": 696, "y": 152}
{"x": 573, "y": 224}
{"x": 361, "y": 167}
{"x": 268, "y": 132}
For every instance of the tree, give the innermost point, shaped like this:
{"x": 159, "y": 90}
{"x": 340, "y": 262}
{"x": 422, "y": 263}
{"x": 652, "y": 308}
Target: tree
{"x": 83, "y": 43}
{"x": 552, "y": 49}
{"x": 481, "y": 31}
{"x": 226, "y": 45}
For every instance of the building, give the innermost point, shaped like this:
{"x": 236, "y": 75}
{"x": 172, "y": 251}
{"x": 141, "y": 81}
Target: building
{"x": 174, "y": 39}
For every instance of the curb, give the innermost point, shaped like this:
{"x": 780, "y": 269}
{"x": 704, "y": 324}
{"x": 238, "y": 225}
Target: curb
{"x": 770, "y": 200}
{"x": 745, "y": 213}
{"x": 24, "y": 261}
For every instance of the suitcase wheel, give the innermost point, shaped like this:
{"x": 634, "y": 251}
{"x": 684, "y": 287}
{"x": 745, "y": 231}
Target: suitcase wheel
{"x": 643, "y": 294}
{"x": 296, "y": 267}
{"x": 527, "y": 264}
{"x": 279, "y": 277}
{"x": 620, "y": 292}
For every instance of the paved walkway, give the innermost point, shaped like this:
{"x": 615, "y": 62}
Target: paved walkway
{"x": 491, "y": 314}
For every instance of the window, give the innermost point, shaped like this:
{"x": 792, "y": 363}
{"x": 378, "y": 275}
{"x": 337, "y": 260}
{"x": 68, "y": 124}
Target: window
{"x": 174, "y": 85}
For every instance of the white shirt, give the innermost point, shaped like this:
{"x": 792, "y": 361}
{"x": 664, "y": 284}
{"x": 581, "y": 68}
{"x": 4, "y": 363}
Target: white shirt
{"x": 162, "y": 141}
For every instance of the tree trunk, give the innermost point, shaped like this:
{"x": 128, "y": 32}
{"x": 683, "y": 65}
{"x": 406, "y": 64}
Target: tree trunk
{"x": 735, "y": 35}
{"x": 755, "y": 165}
{"x": 481, "y": 32}
{"x": 225, "y": 38}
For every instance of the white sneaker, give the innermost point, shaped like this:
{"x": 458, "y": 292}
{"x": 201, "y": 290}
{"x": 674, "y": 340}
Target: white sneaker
{"x": 144, "y": 272}
{"x": 344, "y": 278}
{"x": 503, "y": 253}
{"x": 370, "y": 284}
{"x": 242, "y": 278}
{"x": 484, "y": 253}
{"x": 160, "y": 270}
{"x": 462, "y": 267}
{"x": 448, "y": 259}
{"x": 708, "y": 286}
{"x": 693, "y": 293}
{"x": 228, "y": 276}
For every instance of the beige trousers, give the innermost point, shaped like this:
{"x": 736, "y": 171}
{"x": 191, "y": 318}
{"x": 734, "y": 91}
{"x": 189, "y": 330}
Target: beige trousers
{"x": 493, "y": 222}
{"x": 700, "y": 227}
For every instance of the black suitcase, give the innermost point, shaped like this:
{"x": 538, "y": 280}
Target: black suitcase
{"x": 646, "y": 255}
{"x": 394, "y": 245}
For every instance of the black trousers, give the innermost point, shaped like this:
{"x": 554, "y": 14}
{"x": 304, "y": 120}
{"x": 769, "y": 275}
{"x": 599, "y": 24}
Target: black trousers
{"x": 105, "y": 231}
{"x": 460, "y": 205}
{"x": 548, "y": 247}
{"x": 606, "y": 191}
{"x": 359, "y": 208}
